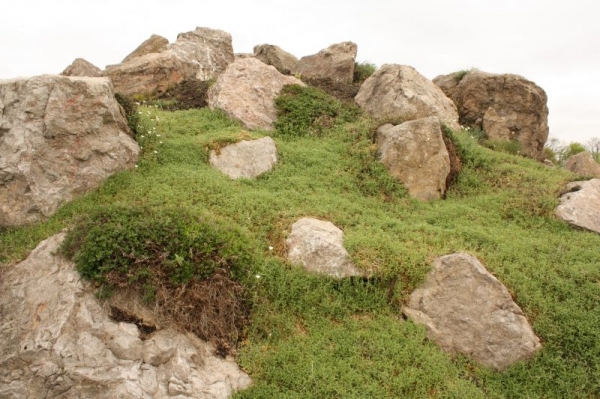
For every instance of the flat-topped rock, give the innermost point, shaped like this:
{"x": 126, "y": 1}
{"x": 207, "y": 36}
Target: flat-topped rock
{"x": 336, "y": 63}
{"x": 580, "y": 205}
{"x": 246, "y": 159}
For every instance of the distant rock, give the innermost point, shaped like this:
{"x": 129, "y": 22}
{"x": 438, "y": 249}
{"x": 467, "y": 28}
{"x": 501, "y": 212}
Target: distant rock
{"x": 283, "y": 61}
{"x": 449, "y": 82}
{"x": 580, "y": 205}
{"x": 505, "y": 106}
{"x": 414, "y": 152}
{"x": 81, "y": 67}
{"x": 336, "y": 62}
{"x": 468, "y": 311}
{"x": 59, "y": 137}
{"x": 583, "y": 164}
{"x": 246, "y": 159}
{"x": 201, "y": 54}
{"x": 154, "y": 44}
{"x": 57, "y": 341}
{"x": 318, "y": 246}
{"x": 247, "y": 90}
{"x": 399, "y": 93}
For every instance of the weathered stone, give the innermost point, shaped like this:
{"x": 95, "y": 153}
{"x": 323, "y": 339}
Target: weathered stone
{"x": 448, "y": 83}
{"x": 56, "y": 341}
{"x": 247, "y": 90}
{"x": 504, "y": 106}
{"x": 415, "y": 154}
{"x": 283, "y": 61}
{"x": 400, "y": 93}
{"x": 580, "y": 205}
{"x": 59, "y": 137}
{"x": 467, "y": 310}
{"x": 246, "y": 159}
{"x": 336, "y": 62}
{"x": 81, "y": 67}
{"x": 583, "y": 164}
{"x": 201, "y": 54}
{"x": 318, "y": 246}
{"x": 154, "y": 44}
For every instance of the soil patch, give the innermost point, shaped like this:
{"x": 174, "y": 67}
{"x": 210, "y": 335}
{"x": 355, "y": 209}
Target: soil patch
{"x": 190, "y": 93}
{"x": 340, "y": 90}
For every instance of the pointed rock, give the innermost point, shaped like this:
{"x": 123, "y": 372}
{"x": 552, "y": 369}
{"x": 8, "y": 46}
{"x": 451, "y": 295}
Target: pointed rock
{"x": 283, "y": 61}
{"x": 154, "y": 44}
{"x": 81, "y": 67}
{"x": 580, "y": 205}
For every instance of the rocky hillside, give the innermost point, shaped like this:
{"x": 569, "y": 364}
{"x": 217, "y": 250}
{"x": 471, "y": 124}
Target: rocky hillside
{"x": 288, "y": 240}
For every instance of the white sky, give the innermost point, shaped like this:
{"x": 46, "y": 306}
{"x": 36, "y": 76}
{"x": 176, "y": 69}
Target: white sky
{"x": 556, "y": 43}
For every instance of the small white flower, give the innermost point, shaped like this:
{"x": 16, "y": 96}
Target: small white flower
{"x": 140, "y": 112}
{"x": 136, "y": 166}
{"x": 142, "y": 136}
{"x": 158, "y": 135}
{"x": 156, "y": 152}
{"x": 257, "y": 276}
{"x": 161, "y": 142}
{"x": 270, "y": 248}
{"x": 149, "y": 132}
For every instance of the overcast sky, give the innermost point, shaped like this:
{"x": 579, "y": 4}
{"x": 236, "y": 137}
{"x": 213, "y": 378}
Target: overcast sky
{"x": 556, "y": 43}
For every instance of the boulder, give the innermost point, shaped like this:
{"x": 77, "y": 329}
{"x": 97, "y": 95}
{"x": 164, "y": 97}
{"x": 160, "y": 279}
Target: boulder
{"x": 399, "y": 93}
{"x": 201, "y": 54}
{"x": 467, "y": 310}
{"x": 505, "y": 106}
{"x": 318, "y": 246}
{"x": 246, "y": 159}
{"x": 336, "y": 62}
{"x": 81, "y": 67}
{"x": 283, "y": 61}
{"x": 59, "y": 137}
{"x": 57, "y": 341}
{"x": 154, "y": 44}
{"x": 414, "y": 153}
{"x": 583, "y": 164}
{"x": 448, "y": 83}
{"x": 580, "y": 205}
{"x": 247, "y": 90}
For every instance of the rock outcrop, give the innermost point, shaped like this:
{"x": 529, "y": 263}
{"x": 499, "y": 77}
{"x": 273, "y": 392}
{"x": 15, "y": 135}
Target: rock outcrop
{"x": 414, "y": 153}
{"x": 57, "y": 341}
{"x": 81, "y": 67}
{"x": 580, "y": 205}
{"x": 467, "y": 310}
{"x": 399, "y": 93}
{"x": 59, "y": 137}
{"x": 154, "y": 44}
{"x": 583, "y": 164}
{"x": 201, "y": 54}
{"x": 283, "y": 61}
{"x": 318, "y": 246}
{"x": 507, "y": 107}
{"x": 247, "y": 90}
{"x": 336, "y": 62}
{"x": 246, "y": 159}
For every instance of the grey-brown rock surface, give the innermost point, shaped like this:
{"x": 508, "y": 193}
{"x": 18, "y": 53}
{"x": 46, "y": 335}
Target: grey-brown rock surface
{"x": 283, "y": 61}
{"x": 59, "y": 137}
{"x": 583, "y": 164}
{"x": 505, "y": 106}
{"x": 201, "y": 54}
{"x": 318, "y": 246}
{"x": 414, "y": 153}
{"x": 154, "y": 44}
{"x": 400, "y": 93}
{"x": 81, "y": 67}
{"x": 246, "y": 159}
{"x": 247, "y": 90}
{"x": 336, "y": 62}
{"x": 580, "y": 205}
{"x": 56, "y": 341}
{"x": 467, "y": 310}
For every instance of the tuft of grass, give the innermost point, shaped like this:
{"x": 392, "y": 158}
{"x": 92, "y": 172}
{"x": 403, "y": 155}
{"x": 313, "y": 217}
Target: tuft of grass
{"x": 362, "y": 71}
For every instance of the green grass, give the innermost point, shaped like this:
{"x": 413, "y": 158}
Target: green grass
{"x": 314, "y": 337}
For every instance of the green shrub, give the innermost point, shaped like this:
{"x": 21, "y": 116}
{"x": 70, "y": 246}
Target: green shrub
{"x": 362, "y": 70}
{"x": 512, "y": 147}
{"x": 131, "y": 110}
{"x": 307, "y": 111}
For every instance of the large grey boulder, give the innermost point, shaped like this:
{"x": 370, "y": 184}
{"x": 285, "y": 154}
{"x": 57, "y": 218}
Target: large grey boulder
{"x": 318, "y": 246}
{"x": 247, "y": 90}
{"x": 201, "y": 54}
{"x": 246, "y": 159}
{"x": 283, "y": 61}
{"x": 59, "y": 137}
{"x": 580, "y": 205}
{"x": 415, "y": 154}
{"x": 81, "y": 67}
{"x": 583, "y": 164}
{"x": 507, "y": 107}
{"x": 467, "y": 310}
{"x": 336, "y": 63}
{"x": 56, "y": 341}
{"x": 399, "y": 93}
